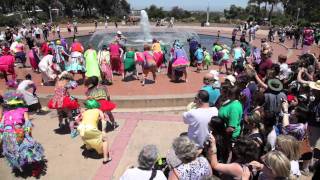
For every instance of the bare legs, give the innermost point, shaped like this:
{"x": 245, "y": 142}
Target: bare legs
{"x": 105, "y": 148}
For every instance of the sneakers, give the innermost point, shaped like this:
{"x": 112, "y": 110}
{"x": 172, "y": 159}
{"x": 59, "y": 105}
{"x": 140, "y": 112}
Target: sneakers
{"x": 74, "y": 133}
{"x": 115, "y": 125}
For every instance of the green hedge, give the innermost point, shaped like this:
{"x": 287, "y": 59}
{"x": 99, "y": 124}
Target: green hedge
{"x": 9, "y": 20}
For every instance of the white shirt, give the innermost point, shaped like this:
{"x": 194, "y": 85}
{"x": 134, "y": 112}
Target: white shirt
{"x": 295, "y": 168}
{"x": 198, "y": 120}
{"x": 138, "y": 174}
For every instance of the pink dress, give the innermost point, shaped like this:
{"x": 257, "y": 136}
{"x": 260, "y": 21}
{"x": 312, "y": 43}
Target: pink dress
{"x": 115, "y": 59}
{"x": 158, "y": 57}
{"x": 33, "y": 58}
{"x": 7, "y": 64}
{"x": 149, "y": 60}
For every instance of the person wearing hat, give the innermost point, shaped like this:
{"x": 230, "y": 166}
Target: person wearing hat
{"x": 274, "y": 96}
{"x": 105, "y": 65}
{"x": 209, "y": 80}
{"x": 60, "y": 55}
{"x": 7, "y": 64}
{"x": 179, "y": 62}
{"x": 91, "y": 135}
{"x": 19, "y": 147}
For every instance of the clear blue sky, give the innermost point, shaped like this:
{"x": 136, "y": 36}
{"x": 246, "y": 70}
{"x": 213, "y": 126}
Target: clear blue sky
{"x": 187, "y": 4}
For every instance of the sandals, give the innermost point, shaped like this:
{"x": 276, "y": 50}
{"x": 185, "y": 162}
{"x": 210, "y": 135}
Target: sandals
{"x": 105, "y": 162}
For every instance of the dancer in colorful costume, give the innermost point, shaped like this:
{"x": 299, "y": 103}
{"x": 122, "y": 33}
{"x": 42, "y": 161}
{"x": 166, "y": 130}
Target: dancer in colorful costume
{"x": 101, "y": 94}
{"x": 129, "y": 62}
{"x": 62, "y": 101}
{"x": 7, "y": 64}
{"x": 116, "y": 53}
{"x": 19, "y": 147}
{"x": 76, "y": 63}
{"x": 105, "y": 66}
{"x": 33, "y": 55}
{"x": 49, "y": 69}
{"x": 157, "y": 53}
{"x": 149, "y": 64}
{"x": 92, "y": 64}
{"x": 92, "y": 137}
{"x": 179, "y": 62}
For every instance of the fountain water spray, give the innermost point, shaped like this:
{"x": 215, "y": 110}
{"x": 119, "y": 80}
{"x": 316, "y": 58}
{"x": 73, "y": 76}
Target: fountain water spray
{"x": 145, "y": 25}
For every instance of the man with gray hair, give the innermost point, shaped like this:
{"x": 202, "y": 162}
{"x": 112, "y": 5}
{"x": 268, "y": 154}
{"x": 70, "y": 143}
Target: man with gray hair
{"x": 146, "y": 159}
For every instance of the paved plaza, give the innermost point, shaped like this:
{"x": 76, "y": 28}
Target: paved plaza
{"x": 67, "y": 160}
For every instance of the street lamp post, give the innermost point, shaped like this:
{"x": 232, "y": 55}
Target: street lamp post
{"x": 298, "y": 15}
{"x": 208, "y": 15}
{"x": 50, "y": 14}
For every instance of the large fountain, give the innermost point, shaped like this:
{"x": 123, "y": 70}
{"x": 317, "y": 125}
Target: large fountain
{"x": 145, "y": 26}
{"x": 136, "y": 37}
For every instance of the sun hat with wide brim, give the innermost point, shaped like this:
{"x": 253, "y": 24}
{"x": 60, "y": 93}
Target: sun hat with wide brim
{"x": 275, "y": 85}
{"x": 315, "y": 85}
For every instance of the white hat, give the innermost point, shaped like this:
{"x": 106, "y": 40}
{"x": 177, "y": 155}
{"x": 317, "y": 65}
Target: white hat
{"x": 119, "y": 32}
{"x": 215, "y": 74}
{"x": 232, "y": 79}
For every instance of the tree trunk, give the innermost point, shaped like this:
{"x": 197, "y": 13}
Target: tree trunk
{"x": 270, "y": 12}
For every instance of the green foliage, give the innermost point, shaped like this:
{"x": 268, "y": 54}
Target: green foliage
{"x": 9, "y": 20}
{"x": 155, "y": 12}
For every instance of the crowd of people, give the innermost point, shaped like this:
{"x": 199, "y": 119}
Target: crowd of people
{"x": 261, "y": 122}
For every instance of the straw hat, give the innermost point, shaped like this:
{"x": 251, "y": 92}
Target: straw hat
{"x": 315, "y": 85}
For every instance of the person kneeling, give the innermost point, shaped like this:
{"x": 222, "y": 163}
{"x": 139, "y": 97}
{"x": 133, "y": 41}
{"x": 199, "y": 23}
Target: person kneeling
{"x": 92, "y": 137}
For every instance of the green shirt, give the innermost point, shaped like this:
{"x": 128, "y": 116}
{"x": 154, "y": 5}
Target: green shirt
{"x": 231, "y": 114}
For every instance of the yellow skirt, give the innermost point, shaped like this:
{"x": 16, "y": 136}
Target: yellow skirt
{"x": 92, "y": 138}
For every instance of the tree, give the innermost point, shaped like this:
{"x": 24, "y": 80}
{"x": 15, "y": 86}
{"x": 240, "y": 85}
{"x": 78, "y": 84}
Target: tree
{"x": 155, "y": 12}
{"x": 179, "y": 13}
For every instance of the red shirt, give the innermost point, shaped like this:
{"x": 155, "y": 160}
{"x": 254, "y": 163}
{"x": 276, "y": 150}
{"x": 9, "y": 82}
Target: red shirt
{"x": 45, "y": 49}
{"x": 263, "y": 67}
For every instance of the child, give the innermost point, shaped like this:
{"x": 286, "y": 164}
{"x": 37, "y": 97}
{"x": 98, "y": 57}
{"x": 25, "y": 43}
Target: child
{"x": 284, "y": 68}
{"x": 199, "y": 57}
{"x": 129, "y": 62}
{"x": 207, "y": 58}
{"x": 225, "y": 58}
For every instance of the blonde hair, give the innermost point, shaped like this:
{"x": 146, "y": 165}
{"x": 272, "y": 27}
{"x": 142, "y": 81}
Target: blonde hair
{"x": 278, "y": 163}
{"x": 289, "y": 145}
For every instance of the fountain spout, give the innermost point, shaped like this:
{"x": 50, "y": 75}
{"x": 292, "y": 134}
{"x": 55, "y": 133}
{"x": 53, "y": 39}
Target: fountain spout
{"x": 145, "y": 26}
